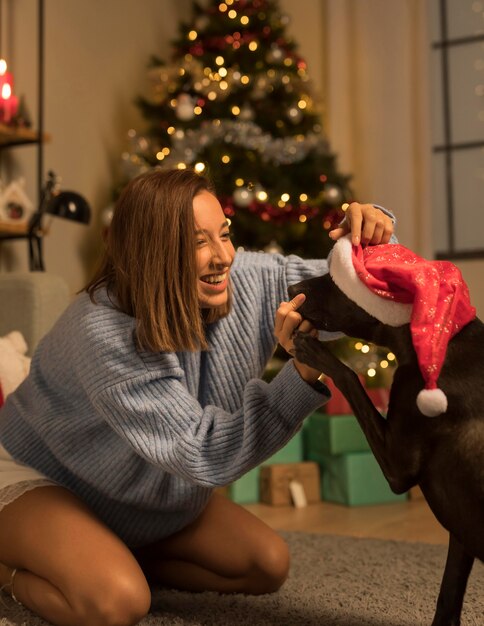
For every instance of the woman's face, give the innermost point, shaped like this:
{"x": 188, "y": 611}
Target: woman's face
{"x": 215, "y": 251}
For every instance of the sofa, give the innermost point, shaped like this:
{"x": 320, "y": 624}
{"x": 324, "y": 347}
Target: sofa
{"x": 30, "y": 302}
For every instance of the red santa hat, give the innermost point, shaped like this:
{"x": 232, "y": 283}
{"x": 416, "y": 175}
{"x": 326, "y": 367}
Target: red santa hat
{"x": 397, "y": 287}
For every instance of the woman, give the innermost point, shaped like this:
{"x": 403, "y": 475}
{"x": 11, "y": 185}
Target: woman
{"x": 145, "y": 396}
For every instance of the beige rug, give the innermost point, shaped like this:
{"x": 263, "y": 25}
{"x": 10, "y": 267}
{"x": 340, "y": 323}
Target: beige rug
{"x": 334, "y": 581}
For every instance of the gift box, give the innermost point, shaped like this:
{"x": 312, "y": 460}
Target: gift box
{"x": 355, "y": 479}
{"x": 332, "y": 434}
{"x": 338, "y": 405}
{"x": 246, "y": 490}
{"x": 380, "y": 397}
{"x": 276, "y": 480}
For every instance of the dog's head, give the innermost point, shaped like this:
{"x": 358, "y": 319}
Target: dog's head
{"x": 329, "y": 309}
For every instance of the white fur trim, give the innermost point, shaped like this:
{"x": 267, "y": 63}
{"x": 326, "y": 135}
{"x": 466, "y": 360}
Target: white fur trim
{"x": 432, "y": 402}
{"x": 343, "y": 273}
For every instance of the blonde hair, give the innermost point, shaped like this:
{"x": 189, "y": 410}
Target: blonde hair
{"x": 149, "y": 261}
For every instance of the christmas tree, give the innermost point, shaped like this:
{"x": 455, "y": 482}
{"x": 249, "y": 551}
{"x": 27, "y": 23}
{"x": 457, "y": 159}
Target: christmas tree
{"x": 236, "y": 103}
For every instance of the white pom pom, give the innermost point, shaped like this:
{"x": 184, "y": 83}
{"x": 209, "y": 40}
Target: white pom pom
{"x": 432, "y": 402}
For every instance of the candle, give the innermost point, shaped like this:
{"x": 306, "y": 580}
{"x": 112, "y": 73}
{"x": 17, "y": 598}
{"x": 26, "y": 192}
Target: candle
{"x": 5, "y": 79}
{"x": 8, "y": 102}
{"x": 12, "y": 107}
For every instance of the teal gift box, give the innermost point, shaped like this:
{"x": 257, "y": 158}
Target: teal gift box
{"x": 246, "y": 489}
{"x": 355, "y": 479}
{"x": 332, "y": 434}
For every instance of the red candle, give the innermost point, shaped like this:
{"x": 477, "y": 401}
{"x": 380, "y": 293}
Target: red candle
{"x": 6, "y": 79}
{"x": 10, "y": 107}
{"x": 8, "y": 102}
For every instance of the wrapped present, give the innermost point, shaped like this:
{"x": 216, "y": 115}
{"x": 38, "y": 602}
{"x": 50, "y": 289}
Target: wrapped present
{"x": 338, "y": 405}
{"x": 245, "y": 490}
{"x": 332, "y": 434}
{"x": 288, "y": 483}
{"x": 355, "y": 479}
{"x": 380, "y": 397}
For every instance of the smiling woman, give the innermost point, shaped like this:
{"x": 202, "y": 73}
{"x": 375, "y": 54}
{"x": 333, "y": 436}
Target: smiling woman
{"x": 151, "y": 242}
{"x": 146, "y": 395}
{"x": 215, "y": 251}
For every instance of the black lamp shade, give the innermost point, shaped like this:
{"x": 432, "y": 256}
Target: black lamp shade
{"x": 71, "y": 206}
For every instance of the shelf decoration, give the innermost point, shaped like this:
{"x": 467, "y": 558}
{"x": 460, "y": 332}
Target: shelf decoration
{"x": 8, "y": 101}
{"x": 16, "y": 208}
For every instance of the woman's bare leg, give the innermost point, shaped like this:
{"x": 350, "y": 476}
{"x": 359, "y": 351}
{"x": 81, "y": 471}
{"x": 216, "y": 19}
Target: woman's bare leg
{"x": 226, "y": 549}
{"x": 71, "y": 569}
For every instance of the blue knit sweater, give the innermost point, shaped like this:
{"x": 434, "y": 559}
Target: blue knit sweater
{"x": 143, "y": 437}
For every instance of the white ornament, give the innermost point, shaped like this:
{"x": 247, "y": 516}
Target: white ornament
{"x": 273, "y": 247}
{"x": 332, "y": 194}
{"x": 201, "y": 23}
{"x": 275, "y": 54}
{"x": 246, "y": 113}
{"x": 15, "y": 205}
{"x": 184, "y": 108}
{"x": 294, "y": 114}
{"x": 243, "y": 197}
{"x": 107, "y": 215}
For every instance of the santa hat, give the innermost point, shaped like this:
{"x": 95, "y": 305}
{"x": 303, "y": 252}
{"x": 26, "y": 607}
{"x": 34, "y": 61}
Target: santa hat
{"x": 397, "y": 287}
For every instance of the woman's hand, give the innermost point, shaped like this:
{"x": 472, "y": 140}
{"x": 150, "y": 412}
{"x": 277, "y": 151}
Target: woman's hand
{"x": 367, "y": 224}
{"x": 287, "y": 321}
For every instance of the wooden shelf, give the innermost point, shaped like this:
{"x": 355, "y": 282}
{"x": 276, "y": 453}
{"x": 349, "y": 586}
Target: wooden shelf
{"x": 14, "y": 228}
{"x": 12, "y": 136}
{"x": 17, "y": 136}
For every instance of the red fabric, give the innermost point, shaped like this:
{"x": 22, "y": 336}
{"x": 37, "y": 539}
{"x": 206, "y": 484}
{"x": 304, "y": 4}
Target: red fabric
{"x": 338, "y": 405}
{"x": 380, "y": 397}
{"x": 2, "y": 399}
{"x": 440, "y": 298}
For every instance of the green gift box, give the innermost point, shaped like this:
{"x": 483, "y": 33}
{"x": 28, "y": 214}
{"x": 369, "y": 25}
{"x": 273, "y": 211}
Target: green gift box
{"x": 332, "y": 434}
{"x": 246, "y": 489}
{"x": 355, "y": 479}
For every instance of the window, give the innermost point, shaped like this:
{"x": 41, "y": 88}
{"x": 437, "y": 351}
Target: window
{"x": 457, "y": 70}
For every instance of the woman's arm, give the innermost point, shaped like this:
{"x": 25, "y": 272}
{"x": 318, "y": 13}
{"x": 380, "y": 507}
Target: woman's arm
{"x": 207, "y": 445}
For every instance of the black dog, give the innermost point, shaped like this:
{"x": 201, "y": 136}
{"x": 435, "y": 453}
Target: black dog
{"x": 444, "y": 455}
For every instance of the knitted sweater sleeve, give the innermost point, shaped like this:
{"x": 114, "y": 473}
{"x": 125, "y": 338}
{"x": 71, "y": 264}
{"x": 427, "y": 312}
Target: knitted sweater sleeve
{"x": 208, "y": 446}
